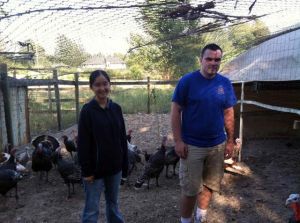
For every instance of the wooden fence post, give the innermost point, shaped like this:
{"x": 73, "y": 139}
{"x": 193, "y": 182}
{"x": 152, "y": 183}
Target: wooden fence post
{"x": 50, "y": 99}
{"x": 57, "y": 99}
{"x": 7, "y": 110}
{"x": 148, "y": 89}
{"x": 76, "y": 77}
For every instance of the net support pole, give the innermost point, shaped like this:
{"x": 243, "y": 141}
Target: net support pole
{"x": 241, "y": 120}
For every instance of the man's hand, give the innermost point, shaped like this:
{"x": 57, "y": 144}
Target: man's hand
{"x": 181, "y": 149}
{"x": 89, "y": 179}
{"x": 228, "y": 149}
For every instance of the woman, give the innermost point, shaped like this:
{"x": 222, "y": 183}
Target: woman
{"x": 102, "y": 150}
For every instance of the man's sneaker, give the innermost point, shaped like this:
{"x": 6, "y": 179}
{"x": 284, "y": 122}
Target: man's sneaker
{"x": 202, "y": 220}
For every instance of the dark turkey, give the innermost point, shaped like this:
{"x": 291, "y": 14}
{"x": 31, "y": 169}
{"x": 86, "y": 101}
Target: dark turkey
{"x": 8, "y": 180}
{"x": 171, "y": 159}
{"x": 153, "y": 167}
{"x": 128, "y": 135}
{"x": 48, "y": 141}
{"x": 10, "y": 174}
{"x": 70, "y": 171}
{"x": 44, "y": 147}
{"x": 293, "y": 202}
{"x": 147, "y": 156}
{"x": 70, "y": 145}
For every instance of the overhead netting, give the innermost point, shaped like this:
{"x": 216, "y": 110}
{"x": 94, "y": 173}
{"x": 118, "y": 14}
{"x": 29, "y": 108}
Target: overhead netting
{"x": 98, "y": 24}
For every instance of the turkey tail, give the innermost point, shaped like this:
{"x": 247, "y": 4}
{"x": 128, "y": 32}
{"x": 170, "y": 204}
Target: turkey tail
{"x": 52, "y": 140}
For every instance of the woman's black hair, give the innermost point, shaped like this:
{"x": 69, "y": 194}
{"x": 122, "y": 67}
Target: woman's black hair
{"x": 96, "y": 74}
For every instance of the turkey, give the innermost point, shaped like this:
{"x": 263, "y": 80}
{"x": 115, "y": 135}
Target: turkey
{"x": 133, "y": 154}
{"x": 171, "y": 159}
{"x": 24, "y": 157}
{"x": 48, "y": 140}
{"x": 75, "y": 137}
{"x": 11, "y": 163}
{"x": 70, "y": 171}
{"x": 153, "y": 167}
{"x": 133, "y": 159}
{"x": 70, "y": 145}
{"x": 147, "y": 156}
{"x": 133, "y": 148}
{"x": 293, "y": 202}
{"x": 4, "y": 157}
{"x": 9, "y": 179}
{"x": 45, "y": 146}
{"x": 128, "y": 135}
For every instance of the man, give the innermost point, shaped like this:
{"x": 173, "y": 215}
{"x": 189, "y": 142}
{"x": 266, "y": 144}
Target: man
{"x": 202, "y": 105}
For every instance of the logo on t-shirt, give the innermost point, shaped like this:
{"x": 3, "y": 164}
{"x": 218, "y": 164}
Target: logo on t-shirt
{"x": 220, "y": 89}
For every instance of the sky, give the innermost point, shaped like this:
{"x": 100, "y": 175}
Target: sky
{"x": 107, "y": 31}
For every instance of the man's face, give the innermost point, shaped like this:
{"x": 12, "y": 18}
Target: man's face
{"x": 210, "y": 62}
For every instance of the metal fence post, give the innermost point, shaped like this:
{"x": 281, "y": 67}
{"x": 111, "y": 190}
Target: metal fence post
{"x": 57, "y": 100}
{"x": 241, "y": 120}
{"x": 6, "y": 96}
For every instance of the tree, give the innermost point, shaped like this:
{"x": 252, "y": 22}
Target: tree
{"x": 244, "y": 36}
{"x": 168, "y": 57}
{"x": 173, "y": 44}
{"x": 68, "y": 52}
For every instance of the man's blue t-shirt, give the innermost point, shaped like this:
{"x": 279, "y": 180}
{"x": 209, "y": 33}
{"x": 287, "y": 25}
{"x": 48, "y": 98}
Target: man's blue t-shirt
{"x": 203, "y": 102}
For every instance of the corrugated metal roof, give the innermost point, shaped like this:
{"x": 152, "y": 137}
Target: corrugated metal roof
{"x": 277, "y": 59}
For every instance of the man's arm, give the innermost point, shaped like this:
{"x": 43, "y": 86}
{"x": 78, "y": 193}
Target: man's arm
{"x": 180, "y": 146}
{"x": 176, "y": 121}
{"x": 229, "y": 128}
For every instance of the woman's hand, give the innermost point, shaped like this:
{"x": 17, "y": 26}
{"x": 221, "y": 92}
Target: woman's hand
{"x": 89, "y": 179}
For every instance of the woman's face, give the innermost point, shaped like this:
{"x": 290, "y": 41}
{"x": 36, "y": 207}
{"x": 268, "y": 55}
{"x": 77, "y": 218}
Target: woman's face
{"x": 101, "y": 87}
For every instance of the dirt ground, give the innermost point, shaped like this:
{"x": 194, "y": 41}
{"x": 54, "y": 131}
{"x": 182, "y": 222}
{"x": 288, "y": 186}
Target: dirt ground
{"x": 257, "y": 197}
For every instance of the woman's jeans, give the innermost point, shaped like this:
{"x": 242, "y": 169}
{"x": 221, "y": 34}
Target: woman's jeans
{"x": 110, "y": 186}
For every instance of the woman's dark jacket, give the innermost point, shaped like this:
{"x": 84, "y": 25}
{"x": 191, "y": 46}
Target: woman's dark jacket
{"x": 102, "y": 145}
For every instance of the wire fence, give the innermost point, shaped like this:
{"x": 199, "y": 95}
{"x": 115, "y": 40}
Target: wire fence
{"x": 132, "y": 98}
{"x": 53, "y": 104}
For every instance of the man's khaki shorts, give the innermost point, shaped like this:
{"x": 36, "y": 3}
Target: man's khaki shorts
{"x": 203, "y": 166}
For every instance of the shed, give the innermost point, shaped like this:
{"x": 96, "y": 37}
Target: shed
{"x": 101, "y": 62}
{"x": 267, "y": 83}
{"x": 19, "y": 114}
{"x": 95, "y": 62}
